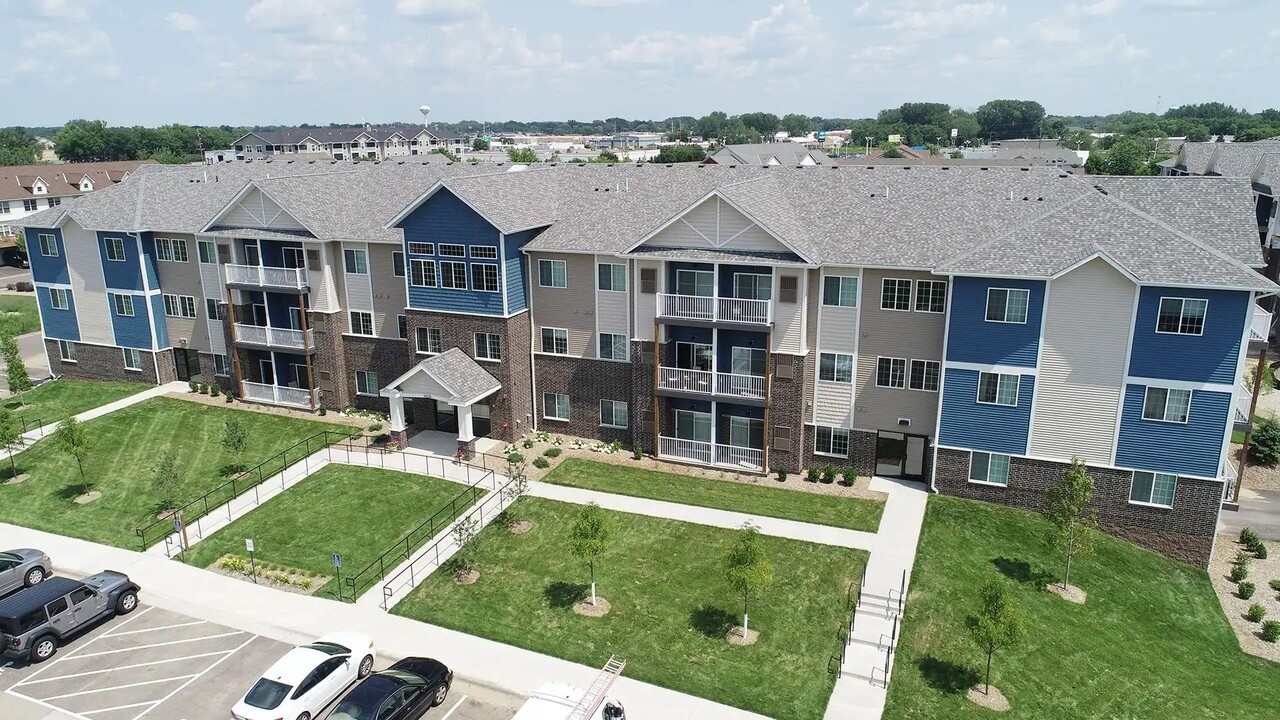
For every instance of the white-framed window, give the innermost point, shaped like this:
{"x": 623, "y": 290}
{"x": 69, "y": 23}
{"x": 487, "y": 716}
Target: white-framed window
{"x": 115, "y": 249}
{"x": 132, "y": 359}
{"x": 1181, "y": 316}
{"x": 429, "y": 341}
{"x": 693, "y": 425}
{"x": 213, "y": 308}
{"x": 123, "y": 304}
{"x": 1166, "y": 405}
{"x": 66, "y": 351}
{"x": 356, "y": 261}
{"x": 831, "y": 441}
{"x": 696, "y": 283}
{"x": 555, "y": 406}
{"x": 484, "y": 277}
{"x": 989, "y": 468}
{"x": 1153, "y": 488}
{"x": 179, "y": 250}
{"x": 613, "y": 414}
{"x": 1008, "y": 305}
{"x": 366, "y": 382}
{"x": 555, "y": 340}
{"x": 840, "y": 291}
{"x": 29, "y": 205}
{"x": 422, "y": 273}
{"x": 54, "y": 202}
{"x": 207, "y": 252}
{"x": 488, "y": 346}
{"x": 931, "y": 296}
{"x": 451, "y": 250}
{"x": 484, "y": 252}
{"x": 895, "y": 294}
{"x": 891, "y": 372}
{"x": 998, "y": 389}
{"x": 613, "y": 277}
{"x": 925, "y": 375}
{"x": 60, "y": 298}
{"x": 421, "y": 248}
{"x": 397, "y": 263}
{"x": 48, "y": 245}
{"x": 164, "y": 249}
{"x": 402, "y": 327}
{"x": 613, "y": 346}
{"x": 361, "y": 322}
{"x": 180, "y": 306}
{"x": 221, "y": 365}
{"x": 835, "y": 367}
{"x": 553, "y": 274}
{"x": 251, "y": 254}
{"x": 4, "y": 207}
{"x": 453, "y": 275}
{"x": 750, "y": 286}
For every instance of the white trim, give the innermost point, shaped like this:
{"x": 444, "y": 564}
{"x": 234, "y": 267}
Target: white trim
{"x": 553, "y": 273}
{"x": 853, "y": 368}
{"x": 1165, "y": 412}
{"x": 988, "y": 453}
{"x": 906, "y": 366}
{"x": 569, "y": 403}
{"x": 720, "y": 198}
{"x": 982, "y": 367}
{"x": 554, "y": 330}
{"x": 1133, "y": 478}
{"x": 1180, "y": 384}
{"x": 1128, "y": 363}
{"x": 915, "y": 296}
{"x": 937, "y": 390}
{"x": 1243, "y": 359}
{"x": 911, "y": 294}
{"x": 1061, "y": 461}
{"x": 1017, "y": 391}
{"x": 1044, "y": 315}
{"x": 1105, "y": 257}
{"x": 822, "y": 289}
{"x": 986, "y": 309}
{"x": 496, "y": 266}
{"x": 1204, "y": 321}
{"x": 502, "y": 272}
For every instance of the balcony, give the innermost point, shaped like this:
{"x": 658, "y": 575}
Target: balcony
{"x": 274, "y": 337}
{"x": 271, "y": 278}
{"x": 704, "y": 382}
{"x": 1240, "y": 406}
{"x": 705, "y": 453}
{"x": 1259, "y": 328}
{"x": 279, "y": 395}
{"x": 715, "y": 309}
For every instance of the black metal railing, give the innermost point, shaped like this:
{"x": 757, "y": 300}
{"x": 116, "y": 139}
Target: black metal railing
{"x": 28, "y": 425}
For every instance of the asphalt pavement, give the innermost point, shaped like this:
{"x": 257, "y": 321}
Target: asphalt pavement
{"x": 13, "y": 275}
{"x": 31, "y": 346}
{"x": 1259, "y": 509}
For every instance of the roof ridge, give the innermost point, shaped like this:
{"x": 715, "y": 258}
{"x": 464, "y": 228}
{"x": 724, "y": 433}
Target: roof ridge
{"x": 1017, "y": 228}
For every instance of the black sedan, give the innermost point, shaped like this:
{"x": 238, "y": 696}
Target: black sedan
{"x": 404, "y": 691}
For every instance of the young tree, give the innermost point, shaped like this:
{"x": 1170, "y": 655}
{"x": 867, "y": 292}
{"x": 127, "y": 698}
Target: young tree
{"x": 10, "y": 438}
{"x": 479, "y": 144}
{"x": 465, "y": 533}
{"x": 235, "y": 437}
{"x": 590, "y": 537}
{"x": 15, "y": 369}
{"x": 524, "y": 156}
{"x": 996, "y": 625}
{"x": 166, "y": 481}
{"x": 747, "y": 567}
{"x": 71, "y": 438}
{"x": 1070, "y": 516}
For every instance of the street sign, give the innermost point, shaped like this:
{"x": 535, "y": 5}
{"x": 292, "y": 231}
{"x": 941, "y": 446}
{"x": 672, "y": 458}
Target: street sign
{"x": 337, "y": 560}
{"x": 177, "y": 523}
{"x": 248, "y": 544}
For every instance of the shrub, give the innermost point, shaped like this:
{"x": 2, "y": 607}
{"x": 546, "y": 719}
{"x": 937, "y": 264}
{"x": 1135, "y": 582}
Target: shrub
{"x": 541, "y": 463}
{"x": 229, "y": 398}
{"x": 1259, "y": 550}
{"x": 24, "y": 286}
{"x": 1245, "y": 590}
{"x": 381, "y": 437}
{"x": 214, "y": 390}
{"x": 515, "y": 457}
{"x": 850, "y": 476}
{"x": 637, "y": 453}
{"x": 1264, "y": 447}
{"x": 1256, "y": 613}
{"x": 232, "y": 563}
{"x": 1242, "y": 560}
{"x": 322, "y": 412}
{"x": 375, "y": 427}
{"x": 553, "y": 452}
{"x": 1275, "y": 585}
{"x": 829, "y": 474}
{"x": 193, "y": 384}
{"x": 528, "y": 443}
{"x": 812, "y": 474}
{"x": 1271, "y": 631}
{"x": 1248, "y": 537}
{"x": 199, "y": 387}
{"x": 782, "y": 474}
{"x": 1238, "y": 573}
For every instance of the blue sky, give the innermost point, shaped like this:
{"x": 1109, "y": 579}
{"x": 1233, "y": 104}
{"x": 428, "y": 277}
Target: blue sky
{"x": 291, "y": 61}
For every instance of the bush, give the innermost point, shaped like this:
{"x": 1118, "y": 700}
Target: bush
{"x": 322, "y": 412}
{"x": 24, "y": 286}
{"x": 1264, "y": 447}
{"x": 1256, "y": 613}
{"x": 381, "y": 438}
{"x": 1245, "y": 590}
{"x": 1248, "y": 537}
{"x": 375, "y": 427}
{"x": 515, "y": 457}
{"x": 232, "y": 563}
{"x": 229, "y": 398}
{"x": 829, "y": 474}
{"x": 1239, "y": 573}
{"x": 850, "y": 477}
{"x": 812, "y": 474}
{"x": 1275, "y": 585}
{"x": 553, "y": 452}
{"x": 193, "y": 384}
{"x": 1259, "y": 550}
{"x": 528, "y": 443}
{"x": 214, "y": 390}
{"x": 637, "y": 453}
{"x": 782, "y": 474}
{"x": 1271, "y": 631}
{"x": 541, "y": 463}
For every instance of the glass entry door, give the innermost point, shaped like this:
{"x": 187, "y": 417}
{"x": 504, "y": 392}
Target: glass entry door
{"x": 446, "y": 417}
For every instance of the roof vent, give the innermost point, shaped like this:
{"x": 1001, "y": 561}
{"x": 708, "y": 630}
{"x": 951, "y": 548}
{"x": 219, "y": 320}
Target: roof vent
{"x": 946, "y": 167}
{"x": 1101, "y": 189}
{"x": 906, "y": 167}
{"x": 984, "y": 168}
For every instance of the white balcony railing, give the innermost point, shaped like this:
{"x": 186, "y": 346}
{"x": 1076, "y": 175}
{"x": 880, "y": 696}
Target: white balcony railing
{"x": 709, "y": 383}
{"x": 1260, "y": 325}
{"x": 274, "y": 336}
{"x": 279, "y": 277}
{"x": 715, "y": 309}
{"x": 1243, "y": 399}
{"x": 1230, "y": 478}
{"x": 705, "y": 453}
{"x": 279, "y": 395}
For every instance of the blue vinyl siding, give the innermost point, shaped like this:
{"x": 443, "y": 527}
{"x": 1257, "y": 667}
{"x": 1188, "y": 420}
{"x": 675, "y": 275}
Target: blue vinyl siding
{"x": 58, "y": 324}
{"x": 970, "y": 338}
{"x": 126, "y": 275}
{"x": 672, "y": 267}
{"x": 282, "y": 364}
{"x": 149, "y": 260}
{"x": 47, "y": 269}
{"x": 443, "y": 218}
{"x": 992, "y": 428}
{"x": 134, "y": 332}
{"x": 724, "y": 284}
{"x": 272, "y": 251}
{"x": 1193, "y": 448}
{"x": 513, "y": 268}
{"x": 726, "y": 340}
{"x": 162, "y": 322}
{"x": 278, "y": 305}
{"x": 1209, "y": 357}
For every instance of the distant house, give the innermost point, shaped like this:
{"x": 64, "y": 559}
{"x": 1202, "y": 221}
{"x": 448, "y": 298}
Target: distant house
{"x": 367, "y": 143}
{"x": 768, "y": 154}
{"x": 25, "y": 189}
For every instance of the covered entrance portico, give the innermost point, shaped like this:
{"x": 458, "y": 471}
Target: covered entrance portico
{"x": 458, "y": 386}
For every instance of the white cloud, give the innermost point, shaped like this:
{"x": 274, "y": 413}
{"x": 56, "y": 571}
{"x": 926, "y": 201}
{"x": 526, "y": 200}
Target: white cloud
{"x": 334, "y": 21}
{"x": 1000, "y": 47}
{"x": 182, "y": 22}
{"x": 1055, "y": 31}
{"x": 609, "y": 3}
{"x": 928, "y": 18}
{"x": 1121, "y": 46}
{"x": 1095, "y": 9}
{"x": 440, "y": 10}
{"x": 61, "y": 10}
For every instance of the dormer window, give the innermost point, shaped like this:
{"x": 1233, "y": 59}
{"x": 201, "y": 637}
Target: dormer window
{"x": 39, "y": 188}
{"x": 86, "y": 184}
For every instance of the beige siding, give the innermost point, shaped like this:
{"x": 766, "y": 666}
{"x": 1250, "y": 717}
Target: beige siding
{"x": 645, "y": 306}
{"x": 611, "y": 307}
{"x": 1082, "y": 364}
{"x": 833, "y": 403}
{"x": 837, "y": 326}
{"x": 789, "y": 318}
{"x": 887, "y": 333}
{"x": 572, "y": 308}
{"x": 184, "y": 278}
{"x": 212, "y": 285}
{"x": 359, "y": 287}
{"x": 811, "y": 341}
{"x": 715, "y": 223}
{"x": 88, "y": 287}
{"x": 389, "y": 298}
{"x": 256, "y": 210}
{"x": 325, "y": 277}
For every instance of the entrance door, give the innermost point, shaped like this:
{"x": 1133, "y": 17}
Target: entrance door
{"x": 187, "y": 362}
{"x": 268, "y": 370}
{"x": 480, "y": 425}
{"x": 900, "y": 455}
{"x": 446, "y": 417}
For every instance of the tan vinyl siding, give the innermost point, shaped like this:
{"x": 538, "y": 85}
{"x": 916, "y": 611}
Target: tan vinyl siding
{"x": 572, "y": 308}
{"x": 888, "y": 333}
{"x": 645, "y": 306}
{"x": 715, "y": 223}
{"x": 838, "y": 326}
{"x": 325, "y": 278}
{"x": 833, "y": 403}
{"x": 1082, "y": 364}
{"x": 389, "y": 294}
{"x": 811, "y": 341}
{"x": 256, "y": 210}
{"x": 359, "y": 288}
{"x": 212, "y": 285}
{"x": 89, "y": 287}
{"x": 611, "y": 307}
{"x": 788, "y": 318}
{"x": 184, "y": 278}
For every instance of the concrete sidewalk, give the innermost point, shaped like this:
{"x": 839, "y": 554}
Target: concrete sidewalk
{"x": 297, "y": 618}
{"x": 31, "y": 436}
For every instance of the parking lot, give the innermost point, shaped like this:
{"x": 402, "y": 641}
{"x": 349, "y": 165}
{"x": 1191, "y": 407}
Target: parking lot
{"x": 163, "y": 665}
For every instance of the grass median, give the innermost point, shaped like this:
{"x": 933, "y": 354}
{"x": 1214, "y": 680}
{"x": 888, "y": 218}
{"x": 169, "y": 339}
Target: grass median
{"x": 58, "y": 400}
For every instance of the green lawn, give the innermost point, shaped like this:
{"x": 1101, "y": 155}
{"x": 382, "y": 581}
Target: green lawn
{"x": 18, "y": 315}
{"x": 125, "y": 447}
{"x": 331, "y": 512}
{"x": 671, "y": 607}
{"x": 60, "y": 399}
{"x": 851, "y": 513}
{"x": 1151, "y": 642}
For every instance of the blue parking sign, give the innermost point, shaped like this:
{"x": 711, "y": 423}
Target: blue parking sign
{"x": 337, "y": 560}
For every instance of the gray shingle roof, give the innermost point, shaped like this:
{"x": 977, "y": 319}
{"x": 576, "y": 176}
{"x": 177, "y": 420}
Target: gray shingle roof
{"x": 1241, "y": 159}
{"x": 458, "y": 373}
{"x": 761, "y": 153}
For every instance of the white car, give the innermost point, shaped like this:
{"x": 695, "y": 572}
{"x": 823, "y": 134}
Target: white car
{"x": 300, "y": 684}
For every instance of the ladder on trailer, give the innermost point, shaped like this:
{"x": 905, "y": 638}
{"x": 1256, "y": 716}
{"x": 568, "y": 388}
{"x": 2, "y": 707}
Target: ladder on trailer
{"x": 594, "y": 695}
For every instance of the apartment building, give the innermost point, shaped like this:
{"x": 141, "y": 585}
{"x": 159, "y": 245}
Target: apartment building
{"x": 974, "y": 328}
{"x": 27, "y": 189}
{"x": 367, "y": 143}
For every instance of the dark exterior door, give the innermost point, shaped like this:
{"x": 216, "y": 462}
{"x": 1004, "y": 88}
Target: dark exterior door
{"x": 899, "y": 455}
{"x": 446, "y": 417}
{"x": 187, "y": 362}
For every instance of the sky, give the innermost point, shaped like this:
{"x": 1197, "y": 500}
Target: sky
{"x": 246, "y": 62}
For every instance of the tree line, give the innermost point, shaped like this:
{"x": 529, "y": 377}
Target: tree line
{"x": 95, "y": 141}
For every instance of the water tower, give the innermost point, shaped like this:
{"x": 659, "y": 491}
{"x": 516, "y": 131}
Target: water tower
{"x": 425, "y": 110}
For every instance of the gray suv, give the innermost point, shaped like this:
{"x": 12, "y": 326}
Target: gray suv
{"x": 34, "y": 621}
{"x": 21, "y": 568}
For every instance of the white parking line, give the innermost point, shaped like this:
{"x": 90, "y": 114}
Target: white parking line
{"x": 181, "y": 687}
{"x": 156, "y": 645}
{"x": 46, "y": 705}
{"x": 455, "y": 707}
{"x": 147, "y": 630}
{"x": 152, "y": 703}
{"x": 122, "y": 687}
{"x": 121, "y": 667}
{"x": 87, "y": 643}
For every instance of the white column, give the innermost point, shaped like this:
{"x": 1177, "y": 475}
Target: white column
{"x": 397, "y": 412}
{"x": 464, "y": 423}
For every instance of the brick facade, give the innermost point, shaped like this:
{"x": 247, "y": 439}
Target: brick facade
{"x": 786, "y": 410}
{"x": 100, "y": 362}
{"x": 387, "y": 357}
{"x": 1184, "y": 532}
{"x": 166, "y": 367}
{"x": 330, "y": 360}
{"x": 642, "y": 407}
{"x": 208, "y": 374}
{"x": 586, "y": 382}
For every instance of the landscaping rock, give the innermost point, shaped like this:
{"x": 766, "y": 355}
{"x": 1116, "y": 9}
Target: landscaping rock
{"x": 736, "y": 636}
{"x": 20, "y": 477}
{"x": 600, "y": 609}
{"x": 86, "y": 498}
{"x": 520, "y": 528}
{"x": 1070, "y": 593}
{"x": 991, "y": 699}
{"x": 1233, "y": 606}
{"x": 466, "y": 577}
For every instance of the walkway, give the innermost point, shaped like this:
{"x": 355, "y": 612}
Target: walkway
{"x": 31, "y": 436}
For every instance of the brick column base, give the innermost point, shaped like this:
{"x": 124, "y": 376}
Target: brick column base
{"x": 400, "y": 437}
{"x": 467, "y": 450}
